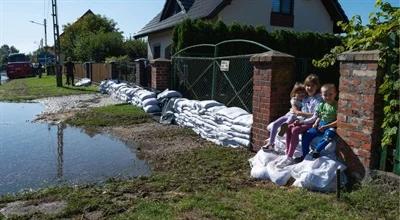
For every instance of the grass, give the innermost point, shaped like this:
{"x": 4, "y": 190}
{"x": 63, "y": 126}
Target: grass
{"x": 33, "y": 88}
{"x": 206, "y": 183}
{"x": 122, "y": 114}
{"x": 213, "y": 182}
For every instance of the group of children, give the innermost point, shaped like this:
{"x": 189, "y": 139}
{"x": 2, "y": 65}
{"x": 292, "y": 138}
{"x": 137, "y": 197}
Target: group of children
{"x": 312, "y": 114}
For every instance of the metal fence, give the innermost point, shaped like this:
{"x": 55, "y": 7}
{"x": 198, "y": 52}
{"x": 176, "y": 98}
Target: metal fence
{"x": 206, "y": 72}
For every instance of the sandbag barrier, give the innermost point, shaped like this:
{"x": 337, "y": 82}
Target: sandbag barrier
{"x": 227, "y": 126}
{"x": 133, "y": 94}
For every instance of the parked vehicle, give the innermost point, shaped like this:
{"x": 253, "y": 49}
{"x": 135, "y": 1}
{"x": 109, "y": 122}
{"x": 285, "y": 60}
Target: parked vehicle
{"x": 18, "y": 66}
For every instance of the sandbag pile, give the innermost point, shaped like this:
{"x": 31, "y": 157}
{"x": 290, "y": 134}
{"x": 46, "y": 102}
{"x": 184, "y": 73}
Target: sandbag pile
{"x": 314, "y": 174}
{"x": 228, "y": 126}
{"x": 135, "y": 95}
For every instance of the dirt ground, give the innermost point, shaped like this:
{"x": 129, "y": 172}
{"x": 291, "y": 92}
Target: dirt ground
{"x": 155, "y": 141}
{"x": 152, "y": 140}
{"x": 58, "y": 109}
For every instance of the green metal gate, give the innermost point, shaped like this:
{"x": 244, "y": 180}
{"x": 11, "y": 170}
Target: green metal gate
{"x": 209, "y": 71}
{"x": 396, "y": 168}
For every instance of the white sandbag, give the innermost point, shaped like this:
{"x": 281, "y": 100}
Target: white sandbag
{"x": 278, "y": 175}
{"x": 83, "y": 82}
{"x": 169, "y": 94}
{"x": 151, "y": 108}
{"x": 259, "y": 172}
{"x": 232, "y": 112}
{"x": 244, "y": 120}
{"x": 213, "y": 110}
{"x": 206, "y": 104}
{"x": 316, "y": 174}
{"x": 234, "y": 134}
{"x": 242, "y": 141}
{"x": 150, "y": 101}
{"x": 262, "y": 158}
{"x": 144, "y": 94}
{"x": 241, "y": 129}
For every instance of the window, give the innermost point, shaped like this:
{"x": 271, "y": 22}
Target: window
{"x": 282, "y": 13}
{"x": 282, "y": 6}
{"x": 156, "y": 52}
{"x": 167, "y": 52}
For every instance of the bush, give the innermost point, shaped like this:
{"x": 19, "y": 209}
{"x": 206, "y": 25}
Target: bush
{"x": 304, "y": 45}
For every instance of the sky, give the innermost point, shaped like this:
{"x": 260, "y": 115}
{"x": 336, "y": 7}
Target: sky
{"x": 130, "y": 15}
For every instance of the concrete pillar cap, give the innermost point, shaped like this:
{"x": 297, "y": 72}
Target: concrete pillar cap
{"x": 365, "y": 55}
{"x": 271, "y": 56}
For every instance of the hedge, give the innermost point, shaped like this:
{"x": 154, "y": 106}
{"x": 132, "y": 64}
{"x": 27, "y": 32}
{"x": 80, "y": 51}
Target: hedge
{"x": 308, "y": 45}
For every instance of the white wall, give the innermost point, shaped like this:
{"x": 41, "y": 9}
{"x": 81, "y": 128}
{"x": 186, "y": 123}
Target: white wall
{"x": 309, "y": 15}
{"x": 250, "y": 12}
{"x": 164, "y": 39}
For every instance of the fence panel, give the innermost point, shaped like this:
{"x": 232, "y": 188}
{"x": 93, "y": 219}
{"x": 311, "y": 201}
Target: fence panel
{"x": 100, "y": 72}
{"x": 80, "y": 71}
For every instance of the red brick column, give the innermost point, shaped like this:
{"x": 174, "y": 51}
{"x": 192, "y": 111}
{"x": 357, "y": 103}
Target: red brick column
{"x": 360, "y": 110}
{"x": 160, "y": 73}
{"x": 272, "y": 82}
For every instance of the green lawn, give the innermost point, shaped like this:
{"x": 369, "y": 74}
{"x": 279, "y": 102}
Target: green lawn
{"x": 123, "y": 114}
{"x": 34, "y": 88}
{"x": 213, "y": 183}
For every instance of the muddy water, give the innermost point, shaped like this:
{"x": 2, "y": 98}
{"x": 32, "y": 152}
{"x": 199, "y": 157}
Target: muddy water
{"x": 34, "y": 155}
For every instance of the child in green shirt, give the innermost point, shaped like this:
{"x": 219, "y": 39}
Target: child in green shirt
{"x": 325, "y": 123}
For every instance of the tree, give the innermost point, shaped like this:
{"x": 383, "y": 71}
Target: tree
{"x": 93, "y": 37}
{"x": 382, "y": 33}
{"x": 5, "y": 50}
{"x": 135, "y": 49}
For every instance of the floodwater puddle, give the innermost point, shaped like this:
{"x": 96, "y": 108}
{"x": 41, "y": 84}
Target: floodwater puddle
{"x": 35, "y": 155}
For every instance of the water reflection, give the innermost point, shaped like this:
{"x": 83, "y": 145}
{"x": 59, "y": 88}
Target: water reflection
{"x": 60, "y": 146}
{"x": 37, "y": 155}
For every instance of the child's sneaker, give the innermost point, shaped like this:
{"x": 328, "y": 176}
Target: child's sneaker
{"x": 286, "y": 162}
{"x": 268, "y": 148}
{"x": 298, "y": 159}
{"x": 315, "y": 154}
{"x": 283, "y": 129}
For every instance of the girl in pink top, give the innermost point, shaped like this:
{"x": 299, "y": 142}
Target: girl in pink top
{"x": 298, "y": 127}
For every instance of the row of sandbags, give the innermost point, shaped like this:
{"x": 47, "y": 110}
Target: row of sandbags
{"x": 228, "y": 126}
{"x": 136, "y": 95}
{"x": 132, "y": 94}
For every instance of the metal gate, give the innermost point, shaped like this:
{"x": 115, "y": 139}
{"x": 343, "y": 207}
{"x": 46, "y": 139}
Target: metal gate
{"x": 204, "y": 72}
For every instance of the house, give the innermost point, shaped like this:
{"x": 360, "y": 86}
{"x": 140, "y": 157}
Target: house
{"x": 87, "y": 13}
{"x": 298, "y": 15}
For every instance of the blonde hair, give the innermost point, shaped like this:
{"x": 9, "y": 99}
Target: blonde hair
{"x": 312, "y": 79}
{"x": 329, "y": 86}
{"x": 297, "y": 88}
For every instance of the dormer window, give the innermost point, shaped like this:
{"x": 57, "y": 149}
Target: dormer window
{"x": 282, "y": 6}
{"x": 172, "y": 8}
{"x": 282, "y": 13}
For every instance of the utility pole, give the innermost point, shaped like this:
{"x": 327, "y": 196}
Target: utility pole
{"x": 45, "y": 39}
{"x": 57, "y": 49}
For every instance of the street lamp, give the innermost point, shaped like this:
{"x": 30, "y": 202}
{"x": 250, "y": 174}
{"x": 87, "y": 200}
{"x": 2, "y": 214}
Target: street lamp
{"x": 45, "y": 38}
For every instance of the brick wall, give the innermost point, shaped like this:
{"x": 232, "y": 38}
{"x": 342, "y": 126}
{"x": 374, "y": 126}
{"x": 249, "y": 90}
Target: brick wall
{"x": 360, "y": 110}
{"x": 160, "y": 73}
{"x": 272, "y": 82}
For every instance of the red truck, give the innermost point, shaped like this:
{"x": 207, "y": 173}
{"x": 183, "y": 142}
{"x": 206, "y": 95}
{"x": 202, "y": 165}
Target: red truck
{"x": 18, "y": 66}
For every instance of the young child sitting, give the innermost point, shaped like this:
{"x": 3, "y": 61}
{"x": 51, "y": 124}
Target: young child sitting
{"x": 325, "y": 123}
{"x": 297, "y": 95}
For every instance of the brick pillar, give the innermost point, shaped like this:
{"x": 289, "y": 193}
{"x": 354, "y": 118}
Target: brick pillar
{"x": 272, "y": 82}
{"x": 360, "y": 110}
{"x": 160, "y": 72}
